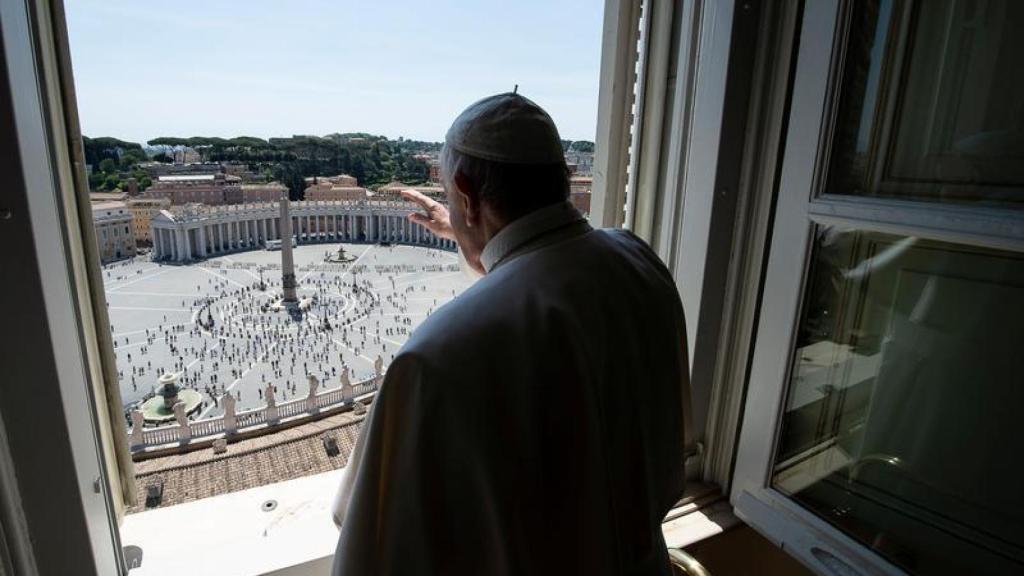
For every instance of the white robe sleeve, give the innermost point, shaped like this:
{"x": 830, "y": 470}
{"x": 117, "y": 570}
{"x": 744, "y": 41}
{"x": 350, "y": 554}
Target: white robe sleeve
{"x": 348, "y": 474}
{"x": 380, "y": 503}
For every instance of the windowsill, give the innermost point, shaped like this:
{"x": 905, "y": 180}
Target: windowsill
{"x": 702, "y": 513}
{"x": 231, "y": 535}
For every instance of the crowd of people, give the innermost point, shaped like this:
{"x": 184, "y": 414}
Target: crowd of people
{"x": 240, "y": 337}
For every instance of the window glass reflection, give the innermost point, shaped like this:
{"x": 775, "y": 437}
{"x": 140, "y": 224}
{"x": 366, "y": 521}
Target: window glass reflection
{"x": 932, "y": 102}
{"x": 902, "y": 423}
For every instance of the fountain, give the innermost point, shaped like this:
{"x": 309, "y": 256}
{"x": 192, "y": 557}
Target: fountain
{"x": 160, "y": 408}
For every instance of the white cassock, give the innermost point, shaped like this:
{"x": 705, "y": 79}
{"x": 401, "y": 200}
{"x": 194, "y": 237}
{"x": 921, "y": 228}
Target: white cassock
{"x": 534, "y": 424}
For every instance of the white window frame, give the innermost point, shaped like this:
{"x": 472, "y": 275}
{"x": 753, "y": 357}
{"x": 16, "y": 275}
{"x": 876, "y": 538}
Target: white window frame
{"x": 802, "y": 206}
{"x": 28, "y": 51}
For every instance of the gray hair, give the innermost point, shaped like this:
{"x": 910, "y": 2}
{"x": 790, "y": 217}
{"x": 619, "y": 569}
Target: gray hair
{"x": 512, "y": 190}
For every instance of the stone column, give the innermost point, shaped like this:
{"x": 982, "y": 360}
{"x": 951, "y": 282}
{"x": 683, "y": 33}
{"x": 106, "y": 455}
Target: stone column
{"x": 179, "y": 245}
{"x": 287, "y": 263}
{"x": 157, "y": 242}
{"x": 201, "y": 239}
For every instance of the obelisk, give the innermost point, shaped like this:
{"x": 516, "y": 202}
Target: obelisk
{"x": 287, "y": 263}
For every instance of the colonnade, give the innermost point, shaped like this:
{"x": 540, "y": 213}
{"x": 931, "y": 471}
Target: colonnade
{"x": 199, "y": 232}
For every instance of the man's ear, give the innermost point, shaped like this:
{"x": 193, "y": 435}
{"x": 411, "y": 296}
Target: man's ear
{"x": 469, "y": 198}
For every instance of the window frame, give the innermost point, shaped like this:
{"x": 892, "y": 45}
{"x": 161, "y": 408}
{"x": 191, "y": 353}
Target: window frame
{"x": 58, "y": 247}
{"x": 801, "y": 208}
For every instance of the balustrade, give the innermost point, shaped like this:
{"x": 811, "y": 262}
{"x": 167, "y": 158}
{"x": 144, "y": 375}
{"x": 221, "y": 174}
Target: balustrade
{"x": 232, "y": 422}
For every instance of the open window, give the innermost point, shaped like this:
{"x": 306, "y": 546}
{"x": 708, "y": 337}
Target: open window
{"x": 887, "y": 362}
{"x": 158, "y": 270}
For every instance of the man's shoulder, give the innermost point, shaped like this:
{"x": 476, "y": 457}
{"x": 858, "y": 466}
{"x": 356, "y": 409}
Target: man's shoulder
{"x": 461, "y": 322}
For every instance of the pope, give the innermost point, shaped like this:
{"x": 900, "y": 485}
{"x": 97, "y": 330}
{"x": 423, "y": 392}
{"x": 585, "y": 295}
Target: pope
{"x": 534, "y": 424}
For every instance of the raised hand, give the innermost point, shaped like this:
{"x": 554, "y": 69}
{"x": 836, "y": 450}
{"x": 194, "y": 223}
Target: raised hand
{"x": 434, "y": 217}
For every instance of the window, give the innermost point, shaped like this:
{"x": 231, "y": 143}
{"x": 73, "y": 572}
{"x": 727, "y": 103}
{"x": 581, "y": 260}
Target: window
{"x": 194, "y": 306}
{"x": 886, "y": 373}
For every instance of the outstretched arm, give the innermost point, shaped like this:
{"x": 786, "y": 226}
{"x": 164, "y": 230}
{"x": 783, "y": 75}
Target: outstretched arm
{"x": 434, "y": 216}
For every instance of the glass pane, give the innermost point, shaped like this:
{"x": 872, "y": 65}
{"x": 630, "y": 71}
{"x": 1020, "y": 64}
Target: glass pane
{"x": 902, "y": 424}
{"x": 932, "y": 104}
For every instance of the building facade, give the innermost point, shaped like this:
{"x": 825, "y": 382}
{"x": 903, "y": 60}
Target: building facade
{"x": 267, "y": 192}
{"x": 390, "y": 191}
{"x": 195, "y": 231}
{"x": 157, "y": 169}
{"x": 349, "y": 193}
{"x": 339, "y": 180}
{"x": 142, "y": 211}
{"x": 213, "y": 189}
{"x": 340, "y": 187}
{"x": 584, "y": 161}
{"x": 112, "y": 223}
{"x": 579, "y": 192}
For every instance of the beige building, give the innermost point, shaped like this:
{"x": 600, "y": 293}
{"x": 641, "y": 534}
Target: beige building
{"x": 579, "y": 192}
{"x": 142, "y": 210}
{"x": 186, "y": 156}
{"x": 268, "y": 192}
{"x": 336, "y": 193}
{"x": 339, "y": 180}
{"x": 112, "y": 223}
{"x": 390, "y": 191}
{"x": 213, "y": 189}
{"x": 340, "y": 187}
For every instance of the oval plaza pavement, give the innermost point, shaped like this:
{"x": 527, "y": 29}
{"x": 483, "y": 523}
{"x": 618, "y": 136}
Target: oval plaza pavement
{"x": 211, "y": 323}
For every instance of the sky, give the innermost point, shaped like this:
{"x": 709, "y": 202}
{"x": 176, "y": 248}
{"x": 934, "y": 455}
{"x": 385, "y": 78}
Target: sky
{"x": 260, "y": 68}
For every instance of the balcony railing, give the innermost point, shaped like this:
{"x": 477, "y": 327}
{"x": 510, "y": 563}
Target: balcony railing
{"x": 268, "y": 418}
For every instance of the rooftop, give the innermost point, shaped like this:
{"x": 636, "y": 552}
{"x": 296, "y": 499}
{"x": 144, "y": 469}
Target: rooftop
{"x": 107, "y": 196}
{"x": 187, "y": 177}
{"x": 97, "y": 206}
{"x": 284, "y": 455}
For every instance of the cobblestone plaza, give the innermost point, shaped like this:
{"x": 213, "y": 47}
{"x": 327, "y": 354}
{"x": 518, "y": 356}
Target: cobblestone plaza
{"x": 212, "y": 323}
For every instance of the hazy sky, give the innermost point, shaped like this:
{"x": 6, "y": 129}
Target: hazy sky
{"x": 275, "y": 68}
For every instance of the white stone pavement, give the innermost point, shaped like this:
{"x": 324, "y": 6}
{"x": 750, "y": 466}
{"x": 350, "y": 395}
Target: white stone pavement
{"x": 372, "y": 304}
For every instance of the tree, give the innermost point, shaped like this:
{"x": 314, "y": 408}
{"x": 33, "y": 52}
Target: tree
{"x": 108, "y": 166}
{"x": 163, "y": 158}
{"x": 111, "y": 182}
{"x": 582, "y": 146}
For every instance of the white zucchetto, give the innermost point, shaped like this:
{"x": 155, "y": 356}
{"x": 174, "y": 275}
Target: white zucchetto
{"x": 506, "y": 128}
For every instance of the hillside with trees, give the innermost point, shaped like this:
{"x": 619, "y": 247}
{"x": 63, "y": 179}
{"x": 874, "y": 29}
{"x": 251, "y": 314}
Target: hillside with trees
{"x": 113, "y": 162}
{"x": 373, "y": 160}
